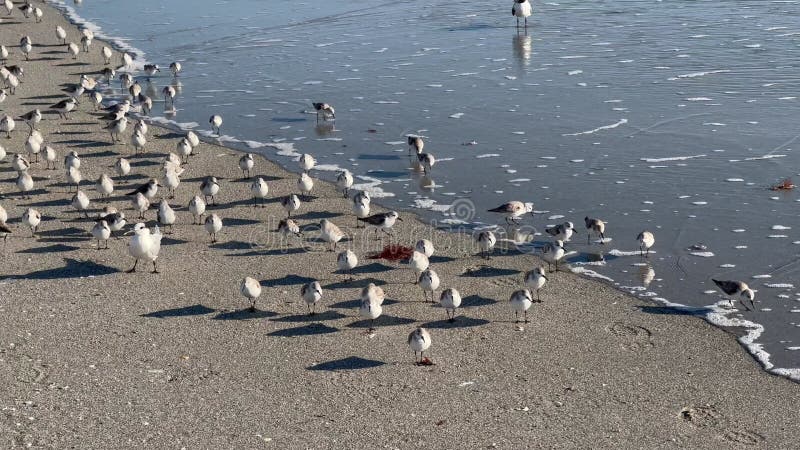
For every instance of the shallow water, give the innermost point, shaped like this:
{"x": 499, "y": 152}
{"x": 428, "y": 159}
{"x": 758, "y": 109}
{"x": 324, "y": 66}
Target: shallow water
{"x": 673, "y": 116}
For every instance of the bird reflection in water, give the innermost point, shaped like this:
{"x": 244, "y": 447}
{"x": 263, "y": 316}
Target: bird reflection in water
{"x": 523, "y": 46}
{"x": 324, "y": 129}
{"x": 647, "y": 274}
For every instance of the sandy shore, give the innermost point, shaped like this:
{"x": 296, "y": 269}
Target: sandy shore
{"x": 92, "y": 357}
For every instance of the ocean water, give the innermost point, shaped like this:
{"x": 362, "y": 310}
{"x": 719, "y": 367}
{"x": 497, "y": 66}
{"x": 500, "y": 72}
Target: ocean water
{"x": 672, "y": 116}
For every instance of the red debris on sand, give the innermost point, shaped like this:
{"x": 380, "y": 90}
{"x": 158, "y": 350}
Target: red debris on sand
{"x": 393, "y": 252}
{"x": 426, "y": 362}
{"x": 785, "y": 185}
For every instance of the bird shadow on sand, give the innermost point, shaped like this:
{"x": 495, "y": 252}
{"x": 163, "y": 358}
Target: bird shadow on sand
{"x": 288, "y": 280}
{"x": 375, "y": 267}
{"x": 318, "y": 317}
{"x": 474, "y": 301}
{"x": 103, "y": 154}
{"x": 312, "y": 329}
{"x": 488, "y": 272}
{"x": 233, "y": 245}
{"x": 166, "y": 240}
{"x": 183, "y": 311}
{"x": 271, "y": 252}
{"x": 55, "y": 248}
{"x": 234, "y": 222}
{"x": 73, "y": 269}
{"x": 73, "y": 64}
{"x": 460, "y": 322}
{"x": 244, "y": 314}
{"x": 382, "y": 321}
{"x": 84, "y": 143}
{"x": 354, "y": 283}
{"x": 57, "y": 202}
{"x": 316, "y": 215}
{"x": 440, "y": 259}
{"x": 349, "y": 363}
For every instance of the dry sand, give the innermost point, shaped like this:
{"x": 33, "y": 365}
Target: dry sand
{"x": 92, "y": 357}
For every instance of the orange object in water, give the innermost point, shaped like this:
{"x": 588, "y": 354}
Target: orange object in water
{"x": 784, "y": 185}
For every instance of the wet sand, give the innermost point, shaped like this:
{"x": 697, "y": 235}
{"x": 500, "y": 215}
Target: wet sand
{"x": 93, "y": 357}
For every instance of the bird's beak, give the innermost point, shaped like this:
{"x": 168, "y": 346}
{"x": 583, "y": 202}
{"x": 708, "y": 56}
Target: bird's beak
{"x": 548, "y": 279}
{"x": 400, "y": 219}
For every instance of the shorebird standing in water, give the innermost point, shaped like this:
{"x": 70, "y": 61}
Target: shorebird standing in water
{"x": 325, "y": 110}
{"x": 169, "y": 95}
{"x": 736, "y": 288}
{"x": 522, "y": 8}
{"x": 552, "y": 252}
{"x": 215, "y": 121}
{"x": 562, "y": 232}
{"x": 597, "y": 227}
{"x": 150, "y": 70}
{"x": 175, "y": 68}
{"x": 514, "y": 210}
{"x": 646, "y": 240}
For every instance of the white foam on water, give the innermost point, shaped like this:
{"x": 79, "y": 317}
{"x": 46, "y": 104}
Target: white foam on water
{"x": 734, "y": 180}
{"x": 702, "y": 254}
{"x": 617, "y": 252}
{"x": 779, "y": 285}
{"x": 372, "y": 186}
{"x": 781, "y": 227}
{"x": 761, "y": 276}
{"x": 456, "y": 115}
{"x": 777, "y": 236}
{"x": 699, "y": 203}
{"x": 697, "y": 74}
{"x": 595, "y": 130}
{"x": 671, "y": 158}
{"x": 574, "y": 72}
{"x": 590, "y": 273}
{"x": 488, "y": 155}
{"x": 727, "y": 266}
{"x": 519, "y": 180}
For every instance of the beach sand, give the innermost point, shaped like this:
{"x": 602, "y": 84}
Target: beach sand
{"x": 92, "y": 357}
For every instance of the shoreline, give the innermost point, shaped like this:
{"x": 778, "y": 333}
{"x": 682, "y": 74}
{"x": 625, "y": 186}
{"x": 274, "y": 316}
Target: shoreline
{"x": 745, "y": 331}
{"x": 631, "y": 347}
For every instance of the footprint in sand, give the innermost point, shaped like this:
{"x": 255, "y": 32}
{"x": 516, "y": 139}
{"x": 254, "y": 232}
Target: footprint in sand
{"x": 743, "y": 437}
{"x": 28, "y": 370}
{"x": 702, "y": 416}
{"x": 633, "y": 337}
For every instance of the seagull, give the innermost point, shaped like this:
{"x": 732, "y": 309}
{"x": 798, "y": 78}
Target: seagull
{"x": 370, "y": 309}
{"x": 197, "y": 207}
{"x": 450, "y": 300}
{"x": 213, "y": 225}
{"x": 521, "y": 301}
{"x": 420, "y": 341}
{"x": 184, "y": 148}
{"x": 246, "y": 163}
{"x": 330, "y": 233}
{"x": 361, "y": 203}
{"x": 486, "y": 241}
{"x": 552, "y": 252}
{"x": 175, "y": 68}
{"x": 426, "y": 160}
{"x": 311, "y": 293}
{"x": 74, "y": 177}
{"x": 287, "y": 228}
{"x": 32, "y": 118}
{"x": 215, "y": 121}
{"x": 169, "y": 94}
{"x": 325, "y": 110}
{"x": 416, "y": 143}
{"x": 290, "y": 203}
{"x": 102, "y": 232}
{"x": 144, "y": 245}
{"x": 73, "y": 50}
{"x": 347, "y": 261}
{"x": 122, "y": 167}
{"x": 140, "y": 203}
{"x": 419, "y": 263}
{"x": 305, "y": 184}
{"x": 259, "y": 189}
{"x": 251, "y": 290}
{"x": 80, "y": 201}
{"x": 646, "y": 240}
{"x": 536, "y": 279}
{"x": 61, "y": 34}
{"x": 736, "y": 288}
{"x": 117, "y": 127}
{"x": 72, "y": 160}
{"x": 597, "y": 227}
{"x": 19, "y": 163}
{"x": 7, "y": 125}
{"x": 107, "y": 54}
{"x": 210, "y": 188}
{"x": 148, "y": 189}
{"x": 514, "y": 210}
{"x": 24, "y": 182}
{"x": 373, "y": 293}
{"x": 306, "y": 162}
{"x": 150, "y": 70}
{"x": 429, "y": 281}
{"x": 562, "y": 232}
{"x": 425, "y": 247}
{"x": 344, "y": 180}
{"x": 521, "y": 8}
{"x": 165, "y": 215}
{"x": 138, "y": 141}
{"x": 32, "y": 218}
{"x": 382, "y": 221}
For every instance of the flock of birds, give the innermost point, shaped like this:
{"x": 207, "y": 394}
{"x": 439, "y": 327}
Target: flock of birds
{"x": 145, "y": 243}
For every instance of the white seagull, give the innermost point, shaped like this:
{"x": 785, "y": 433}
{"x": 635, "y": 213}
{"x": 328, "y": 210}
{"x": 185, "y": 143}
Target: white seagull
{"x": 144, "y": 246}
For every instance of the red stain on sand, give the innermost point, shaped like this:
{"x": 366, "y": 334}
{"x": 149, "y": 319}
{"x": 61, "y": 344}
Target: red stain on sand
{"x": 393, "y": 252}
